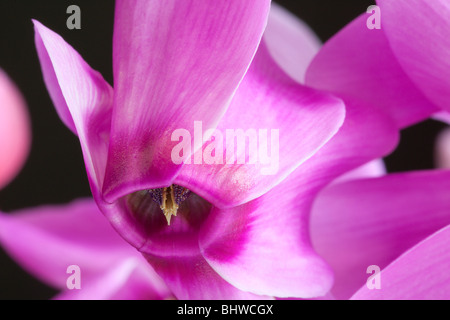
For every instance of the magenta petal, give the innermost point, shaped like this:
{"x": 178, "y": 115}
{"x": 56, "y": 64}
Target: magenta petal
{"x": 419, "y": 274}
{"x": 297, "y": 121}
{"x": 228, "y": 236}
{"x": 15, "y": 133}
{"x": 131, "y": 279}
{"x": 372, "y": 221}
{"x": 359, "y": 63}
{"x": 263, "y": 246}
{"x": 418, "y": 32}
{"x": 372, "y": 169}
{"x": 191, "y": 278}
{"x": 367, "y": 134}
{"x": 49, "y": 239}
{"x": 291, "y": 42}
{"x": 81, "y": 96}
{"x": 175, "y": 62}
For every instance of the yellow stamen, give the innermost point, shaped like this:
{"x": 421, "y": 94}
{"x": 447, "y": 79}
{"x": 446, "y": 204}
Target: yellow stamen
{"x": 168, "y": 204}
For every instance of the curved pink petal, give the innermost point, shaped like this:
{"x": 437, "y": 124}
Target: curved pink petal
{"x": 372, "y": 169}
{"x": 366, "y": 135}
{"x": 418, "y": 32}
{"x": 359, "y": 63}
{"x": 81, "y": 96}
{"x": 286, "y": 121}
{"x": 175, "y": 62}
{"x": 47, "y": 240}
{"x": 262, "y": 246}
{"x": 191, "y": 278}
{"x": 240, "y": 243}
{"x": 421, "y": 273}
{"x": 15, "y": 133}
{"x": 291, "y": 42}
{"x": 131, "y": 279}
{"x": 372, "y": 221}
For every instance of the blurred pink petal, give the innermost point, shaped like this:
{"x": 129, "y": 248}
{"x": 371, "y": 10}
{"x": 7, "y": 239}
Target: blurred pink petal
{"x": 421, "y": 273}
{"x": 418, "y": 33}
{"x": 129, "y": 280}
{"x": 442, "y": 116}
{"x": 45, "y": 241}
{"x": 15, "y": 131}
{"x": 372, "y": 221}
{"x": 359, "y": 63}
{"x": 291, "y": 42}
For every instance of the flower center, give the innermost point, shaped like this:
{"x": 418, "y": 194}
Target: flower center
{"x": 169, "y": 199}
{"x": 152, "y": 210}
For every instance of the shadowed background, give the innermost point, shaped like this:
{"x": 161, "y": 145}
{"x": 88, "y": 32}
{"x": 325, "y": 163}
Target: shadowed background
{"x": 54, "y": 172}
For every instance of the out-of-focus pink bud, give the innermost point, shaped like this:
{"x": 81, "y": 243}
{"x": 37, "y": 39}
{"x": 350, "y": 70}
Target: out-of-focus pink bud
{"x": 15, "y": 132}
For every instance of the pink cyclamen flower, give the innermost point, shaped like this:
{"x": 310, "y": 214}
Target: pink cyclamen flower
{"x": 238, "y": 233}
{"x": 47, "y": 240}
{"x": 15, "y": 133}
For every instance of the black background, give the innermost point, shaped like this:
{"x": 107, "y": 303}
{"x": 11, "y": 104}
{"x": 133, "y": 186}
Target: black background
{"x": 54, "y": 172}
